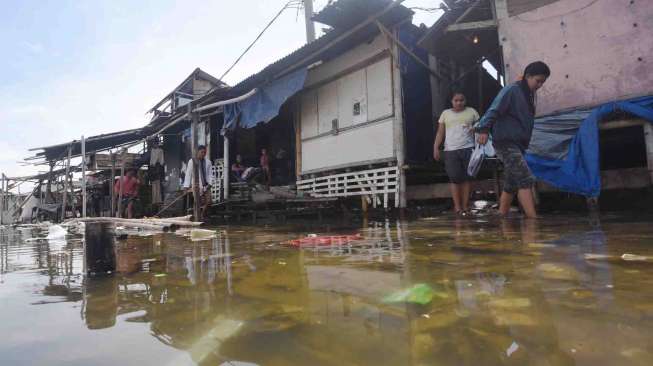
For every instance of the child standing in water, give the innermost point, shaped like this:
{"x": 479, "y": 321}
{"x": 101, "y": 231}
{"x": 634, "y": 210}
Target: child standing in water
{"x": 510, "y": 120}
{"x": 455, "y": 128}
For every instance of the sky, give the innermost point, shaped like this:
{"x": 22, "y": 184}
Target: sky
{"x": 72, "y": 68}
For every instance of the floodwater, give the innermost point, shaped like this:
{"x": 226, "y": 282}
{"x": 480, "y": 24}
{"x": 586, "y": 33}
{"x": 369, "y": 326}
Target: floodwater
{"x": 558, "y": 291}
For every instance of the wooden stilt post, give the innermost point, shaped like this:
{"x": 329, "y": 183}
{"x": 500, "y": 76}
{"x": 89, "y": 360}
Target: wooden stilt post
{"x": 123, "y": 156}
{"x": 48, "y": 187}
{"x": 227, "y": 169}
{"x": 480, "y": 88}
{"x": 99, "y": 248}
{"x": 83, "y": 176}
{"x": 113, "y": 182}
{"x": 64, "y": 199}
{"x": 398, "y": 126}
{"x": 2, "y": 201}
{"x": 648, "y": 140}
{"x": 195, "y": 181}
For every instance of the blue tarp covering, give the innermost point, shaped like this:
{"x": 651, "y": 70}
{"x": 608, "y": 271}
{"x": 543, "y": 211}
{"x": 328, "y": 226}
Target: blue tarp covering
{"x": 577, "y": 170}
{"x": 265, "y": 104}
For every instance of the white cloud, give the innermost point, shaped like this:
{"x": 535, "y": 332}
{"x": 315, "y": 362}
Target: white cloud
{"x": 34, "y": 47}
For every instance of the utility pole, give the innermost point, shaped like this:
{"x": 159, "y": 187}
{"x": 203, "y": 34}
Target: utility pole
{"x": 310, "y": 26}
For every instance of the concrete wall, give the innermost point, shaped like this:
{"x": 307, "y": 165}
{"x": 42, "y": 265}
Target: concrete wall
{"x": 598, "y": 50}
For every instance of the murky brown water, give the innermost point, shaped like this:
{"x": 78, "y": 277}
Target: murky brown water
{"x": 511, "y": 293}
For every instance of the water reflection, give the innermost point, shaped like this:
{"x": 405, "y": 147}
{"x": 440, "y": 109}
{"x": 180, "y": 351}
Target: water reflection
{"x": 505, "y": 292}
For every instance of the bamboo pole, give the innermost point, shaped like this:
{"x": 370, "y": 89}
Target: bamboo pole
{"x": 195, "y": 181}
{"x": 2, "y": 200}
{"x": 83, "y": 143}
{"x": 122, "y": 180}
{"x": 48, "y": 187}
{"x": 64, "y": 199}
{"x": 113, "y": 182}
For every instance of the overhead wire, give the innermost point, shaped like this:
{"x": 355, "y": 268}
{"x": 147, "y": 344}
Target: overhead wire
{"x": 289, "y": 5}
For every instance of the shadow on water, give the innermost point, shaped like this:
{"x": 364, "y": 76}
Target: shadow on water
{"x": 557, "y": 291}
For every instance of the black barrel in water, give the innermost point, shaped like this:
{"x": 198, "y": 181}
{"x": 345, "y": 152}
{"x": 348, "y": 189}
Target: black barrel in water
{"x": 99, "y": 248}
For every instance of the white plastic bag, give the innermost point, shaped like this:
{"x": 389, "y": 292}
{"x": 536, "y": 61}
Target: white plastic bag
{"x": 478, "y": 155}
{"x": 476, "y": 160}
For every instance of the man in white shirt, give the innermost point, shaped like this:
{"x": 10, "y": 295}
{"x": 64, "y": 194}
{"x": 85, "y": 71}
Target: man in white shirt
{"x": 205, "y": 179}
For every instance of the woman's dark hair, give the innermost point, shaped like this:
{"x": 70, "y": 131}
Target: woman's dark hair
{"x": 456, "y": 92}
{"x": 533, "y": 69}
{"x": 537, "y": 68}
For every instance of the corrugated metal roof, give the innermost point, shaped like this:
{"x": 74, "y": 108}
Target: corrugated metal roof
{"x": 393, "y": 16}
{"x": 346, "y": 13}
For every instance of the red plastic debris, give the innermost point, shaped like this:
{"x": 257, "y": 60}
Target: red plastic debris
{"x": 324, "y": 240}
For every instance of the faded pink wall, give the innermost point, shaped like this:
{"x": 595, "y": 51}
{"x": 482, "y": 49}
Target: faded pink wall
{"x": 600, "y": 61}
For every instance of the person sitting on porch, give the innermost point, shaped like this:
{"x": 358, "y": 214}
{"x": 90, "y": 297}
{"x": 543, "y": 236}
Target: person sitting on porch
{"x": 129, "y": 192}
{"x": 205, "y": 179}
{"x": 238, "y": 168}
{"x": 241, "y": 172}
{"x": 455, "y": 128}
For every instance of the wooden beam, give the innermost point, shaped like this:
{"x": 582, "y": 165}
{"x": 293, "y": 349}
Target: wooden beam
{"x": 480, "y": 25}
{"x": 398, "y": 127}
{"x": 394, "y": 40}
{"x": 467, "y": 11}
{"x": 622, "y": 123}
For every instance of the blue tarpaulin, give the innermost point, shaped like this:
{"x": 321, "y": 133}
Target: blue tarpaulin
{"x": 576, "y": 170}
{"x": 265, "y": 104}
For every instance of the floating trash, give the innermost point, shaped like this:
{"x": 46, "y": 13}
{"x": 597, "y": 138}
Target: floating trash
{"x": 512, "y": 349}
{"x": 56, "y": 232}
{"x": 634, "y": 257}
{"x": 314, "y": 240}
{"x": 202, "y": 234}
{"x": 420, "y": 293}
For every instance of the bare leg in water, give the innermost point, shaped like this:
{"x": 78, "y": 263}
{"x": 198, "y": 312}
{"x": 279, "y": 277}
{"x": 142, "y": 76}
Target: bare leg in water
{"x": 525, "y": 197}
{"x": 466, "y": 189}
{"x": 456, "y": 190}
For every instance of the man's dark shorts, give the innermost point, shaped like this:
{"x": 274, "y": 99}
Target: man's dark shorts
{"x": 516, "y": 173}
{"x": 456, "y": 163}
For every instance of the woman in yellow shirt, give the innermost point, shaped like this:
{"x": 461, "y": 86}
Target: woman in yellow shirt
{"x": 455, "y": 130}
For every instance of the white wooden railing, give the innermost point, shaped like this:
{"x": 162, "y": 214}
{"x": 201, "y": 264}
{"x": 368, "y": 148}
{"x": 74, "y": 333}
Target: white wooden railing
{"x": 216, "y": 188}
{"x": 378, "y": 184}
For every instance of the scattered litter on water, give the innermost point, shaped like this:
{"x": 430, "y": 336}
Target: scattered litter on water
{"x": 592, "y": 256}
{"x": 282, "y": 263}
{"x": 420, "y": 293}
{"x": 56, "y": 232}
{"x": 237, "y": 363}
{"x": 427, "y": 316}
{"x": 160, "y": 275}
{"x": 202, "y": 234}
{"x": 634, "y": 257}
{"x": 324, "y": 240}
{"x": 512, "y": 349}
